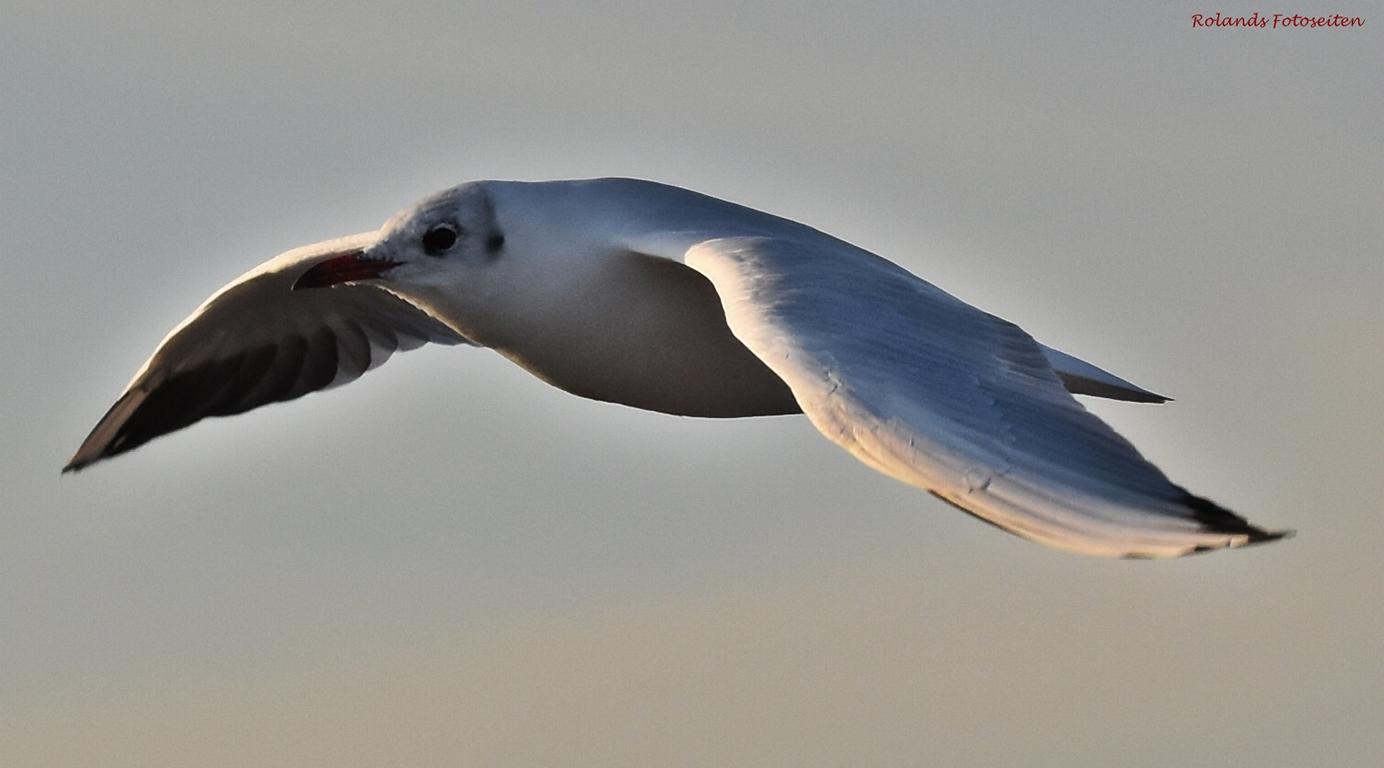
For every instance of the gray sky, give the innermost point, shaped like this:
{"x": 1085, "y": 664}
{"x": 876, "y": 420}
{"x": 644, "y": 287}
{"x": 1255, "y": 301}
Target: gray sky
{"x": 449, "y": 562}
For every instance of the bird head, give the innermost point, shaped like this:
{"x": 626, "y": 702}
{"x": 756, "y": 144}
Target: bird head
{"x": 426, "y": 245}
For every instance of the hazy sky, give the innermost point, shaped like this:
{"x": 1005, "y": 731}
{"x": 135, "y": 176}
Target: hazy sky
{"x": 450, "y": 563}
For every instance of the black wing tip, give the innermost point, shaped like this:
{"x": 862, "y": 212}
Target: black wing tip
{"x": 1218, "y": 519}
{"x": 111, "y": 435}
{"x": 84, "y": 458}
{"x": 89, "y": 454}
{"x": 1267, "y": 536}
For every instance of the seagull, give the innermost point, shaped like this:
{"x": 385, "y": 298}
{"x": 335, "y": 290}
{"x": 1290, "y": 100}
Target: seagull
{"x": 661, "y": 298}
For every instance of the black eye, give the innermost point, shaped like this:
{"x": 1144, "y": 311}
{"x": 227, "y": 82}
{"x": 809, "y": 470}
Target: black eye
{"x": 439, "y": 239}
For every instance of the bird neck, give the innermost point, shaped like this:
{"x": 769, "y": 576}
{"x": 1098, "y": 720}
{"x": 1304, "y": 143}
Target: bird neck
{"x": 616, "y": 214}
{"x": 596, "y": 300}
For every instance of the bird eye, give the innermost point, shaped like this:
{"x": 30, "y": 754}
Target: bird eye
{"x": 439, "y": 239}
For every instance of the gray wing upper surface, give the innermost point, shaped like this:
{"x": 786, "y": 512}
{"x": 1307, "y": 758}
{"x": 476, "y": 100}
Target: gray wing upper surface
{"x": 256, "y": 341}
{"x": 932, "y": 391}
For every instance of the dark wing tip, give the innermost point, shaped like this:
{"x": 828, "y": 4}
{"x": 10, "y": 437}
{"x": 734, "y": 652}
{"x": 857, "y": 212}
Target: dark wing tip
{"x": 1218, "y": 519}
{"x": 109, "y": 437}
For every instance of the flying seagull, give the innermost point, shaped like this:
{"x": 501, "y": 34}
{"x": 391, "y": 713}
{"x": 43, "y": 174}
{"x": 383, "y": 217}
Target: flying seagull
{"x": 660, "y": 298}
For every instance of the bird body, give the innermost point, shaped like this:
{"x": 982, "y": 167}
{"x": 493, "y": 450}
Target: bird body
{"x": 664, "y": 299}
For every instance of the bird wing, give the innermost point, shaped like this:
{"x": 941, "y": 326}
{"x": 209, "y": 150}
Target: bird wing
{"x": 934, "y": 392}
{"x": 257, "y": 341}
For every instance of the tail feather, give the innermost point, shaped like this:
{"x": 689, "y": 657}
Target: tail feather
{"x": 1082, "y": 378}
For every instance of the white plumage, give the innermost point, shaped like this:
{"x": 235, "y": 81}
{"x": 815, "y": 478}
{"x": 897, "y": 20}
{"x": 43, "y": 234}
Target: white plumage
{"x": 662, "y": 298}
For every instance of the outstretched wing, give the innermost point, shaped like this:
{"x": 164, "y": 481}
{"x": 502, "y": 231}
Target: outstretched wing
{"x": 930, "y": 390}
{"x": 257, "y": 341}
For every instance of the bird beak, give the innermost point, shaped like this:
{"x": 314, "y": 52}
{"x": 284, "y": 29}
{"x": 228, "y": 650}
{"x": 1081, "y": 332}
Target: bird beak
{"x": 344, "y": 268}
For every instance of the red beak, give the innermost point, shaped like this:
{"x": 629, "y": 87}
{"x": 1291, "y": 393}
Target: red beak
{"x": 347, "y": 267}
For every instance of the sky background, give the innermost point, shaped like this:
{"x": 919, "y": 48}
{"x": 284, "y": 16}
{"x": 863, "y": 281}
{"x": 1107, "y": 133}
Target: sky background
{"x": 450, "y": 563}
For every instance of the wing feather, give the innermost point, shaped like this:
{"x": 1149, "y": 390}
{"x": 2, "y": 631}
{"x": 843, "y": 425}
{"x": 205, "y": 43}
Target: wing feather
{"x": 257, "y": 341}
{"x": 934, "y": 392}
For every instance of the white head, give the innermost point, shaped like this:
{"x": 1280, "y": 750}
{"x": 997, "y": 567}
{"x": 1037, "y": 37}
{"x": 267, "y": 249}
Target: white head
{"x": 442, "y": 240}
